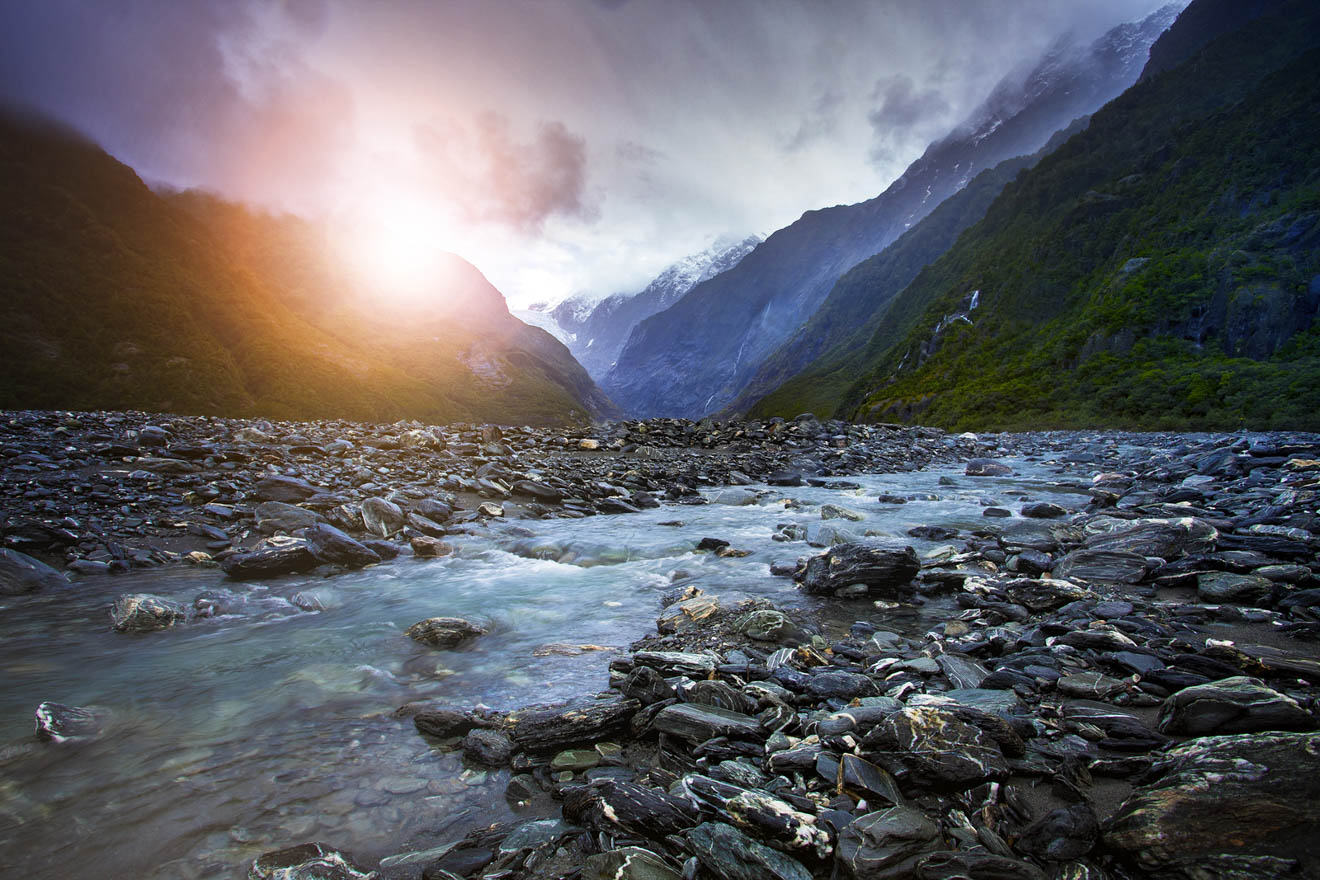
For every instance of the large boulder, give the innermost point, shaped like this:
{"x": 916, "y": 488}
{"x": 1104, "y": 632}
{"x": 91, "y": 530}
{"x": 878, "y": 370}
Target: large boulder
{"x": 20, "y": 573}
{"x": 380, "y": 517}
{"x": 274, "y": 558}
{"x": 308, "y": 861}
{"x": 584, "y": 722}
{"x": 874, "y": 569}
{"x": 987, "y": 467}
{"x": 1224, "y": 797}
{"x": 1232, "y": 705}
{"x": 444, "y": 632}
{"x": 931, "y": 747}
{"x": 726, "y": 852}
{"x": 57, "y": 722}
{"x": 329, "y": 544}
{"x": 287, "y": 489}
{"x": 142, "y": 612}
{"x": 882, "y": 843}
{"x": 1104, "y": 566}
{"x": 276, "y": 516}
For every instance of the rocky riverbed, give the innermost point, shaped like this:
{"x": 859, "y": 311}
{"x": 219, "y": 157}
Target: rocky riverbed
{"x": 1112, "y": 672}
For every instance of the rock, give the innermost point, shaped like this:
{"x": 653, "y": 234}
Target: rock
{"x": 1105, "y": 566}
{"x": 879, "y": 843}
{"x": 932, "y": 747}
{"x": 445, "y": 721}
{"x": 736, "y": 497}
{"x": 575, "y": 760}
{"x": 20, "y": 573}
{"x": 427, "y": 547}
{"x": 720, "y": 695}
{"x": 987, "y": 467}
{"x": 584, "y": 722}
{"x": 143, "y": 612}
{"x": 835, "y": 511}
{"x": 1223, "y": 586}
{"x": 380, "y": 517}
{"x": 494, "y": 748}
{"x": 1061, "y": 835}
{"x": 308, "y": 861}
{"x": 1223, "y": 796}
{"x": 490, "y": 508}
{"x": 1045, "y": 594}
{"x": 962, "y": 672}
{"x": 865, "y": 780}
{"x": 769, "y": 625}
{"x": 766, "y": 817}
{"x": 589, "y": 444}
{"x": 1091, "y": 685}
{"x": 287, "y": 489}
{"x": 884, "y": 570}
{"x": 329, "y": 544}
{"x": 627, "y": 863}
{"x": 727, "y": 853}
{"x": 539, "y": 491}
{"x": 647, "y": 686}
{"x": 276, "y": 516}
{"x": 1043, "y": 510}
{"x": 982, "y": 865}
{"x": 1232, "y": 705}
{"x": 696, "y": 723}
{"x": 676, "y": 663}
{"x": 278, "y": 557}
{"x": 1162, "y": 538}
{"x": 688, "y": 615}
{"x": 842, "y": 686}
{"x": 57, "y": 722}
{"x": 444, "y": 632}
{"x": 610, "y": 805}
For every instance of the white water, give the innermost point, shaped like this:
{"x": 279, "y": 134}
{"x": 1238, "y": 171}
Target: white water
{"x": 273, "y": 725}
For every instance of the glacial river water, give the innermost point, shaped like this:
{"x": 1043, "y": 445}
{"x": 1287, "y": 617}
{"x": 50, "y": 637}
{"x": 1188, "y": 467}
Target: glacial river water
{"x": 272, "y": 723}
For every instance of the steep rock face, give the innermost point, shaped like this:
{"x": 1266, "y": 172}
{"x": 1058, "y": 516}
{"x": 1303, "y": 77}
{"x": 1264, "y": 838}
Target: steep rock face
{"x": 695, "y": 357}
{"x": 857, "y": 303}
{"x": 118, "y": 297}
{"x": 1159, "y": 268}
{"x": 1200, "y": 23}
{"x": 595, "y": 332}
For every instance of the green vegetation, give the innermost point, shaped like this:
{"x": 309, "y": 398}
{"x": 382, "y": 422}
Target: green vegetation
{"x": 116, "y": 297}
{"x": 1159, "y": 270}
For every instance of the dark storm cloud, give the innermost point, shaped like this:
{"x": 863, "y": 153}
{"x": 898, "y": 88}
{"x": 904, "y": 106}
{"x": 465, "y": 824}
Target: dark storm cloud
{"x": 900, "y": 108}
{"x": 493, "y": 177}
{"x": 672, "y": 121}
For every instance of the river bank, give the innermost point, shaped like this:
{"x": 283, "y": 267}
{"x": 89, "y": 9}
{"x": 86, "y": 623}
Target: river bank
{"x": 985, "y": 701}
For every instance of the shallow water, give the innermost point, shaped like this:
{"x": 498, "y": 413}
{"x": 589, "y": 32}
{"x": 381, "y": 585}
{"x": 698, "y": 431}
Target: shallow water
{"x": 271, "y": 723}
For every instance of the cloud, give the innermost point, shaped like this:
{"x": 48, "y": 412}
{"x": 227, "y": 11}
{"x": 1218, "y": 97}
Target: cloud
{"x": 483, "y": 170}
{"x": 904, "y": 114}
{"x": 821, "y": 121}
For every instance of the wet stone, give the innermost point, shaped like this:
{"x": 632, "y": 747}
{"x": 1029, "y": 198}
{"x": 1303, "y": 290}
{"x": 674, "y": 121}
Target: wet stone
{"x": 1179, "y": 818}
{"x": 1232, "y": 705}
{"x": 877, "y": 844}
{"x": 444, "y": 632}
{"x": 493, "y": 748}
{"x": 329, "y": 544}
{"x": 142, "y": 612}
{"x": 308, "y": 861}
{"x": 697, "y": 724}
{"x": 20, "y": 573}
{"x": 932, "y": 747}
{"x": 628, "y": 863}
{"x": 986, "y": 467}
{"x": 885, "y": 571}
{"x": 1223, "y": 586}
{"x": 728, "y": 853}
{"x": 288, "y": 556}
{"x": 57, "y": 722}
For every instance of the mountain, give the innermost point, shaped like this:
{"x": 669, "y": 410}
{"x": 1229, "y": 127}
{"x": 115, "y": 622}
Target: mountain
{"x": 1160, "y": 270}
{"x": 595, "y": 331}
{"x": 696, "y": 357}
{"x": 859, "y": 301}
{"x": 116, "y": 297}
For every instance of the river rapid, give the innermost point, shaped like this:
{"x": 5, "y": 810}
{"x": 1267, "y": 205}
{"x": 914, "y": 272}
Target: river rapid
{"x": 272, "y": 722}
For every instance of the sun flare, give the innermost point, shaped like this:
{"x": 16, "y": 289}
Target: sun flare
{"x": 398, "y": 244}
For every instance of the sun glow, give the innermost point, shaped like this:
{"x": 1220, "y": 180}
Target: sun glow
{"x": 397, "y": 243}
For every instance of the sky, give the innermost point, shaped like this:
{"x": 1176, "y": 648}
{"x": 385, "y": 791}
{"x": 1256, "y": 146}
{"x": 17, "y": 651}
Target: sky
{"x": 563, "y": 146}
